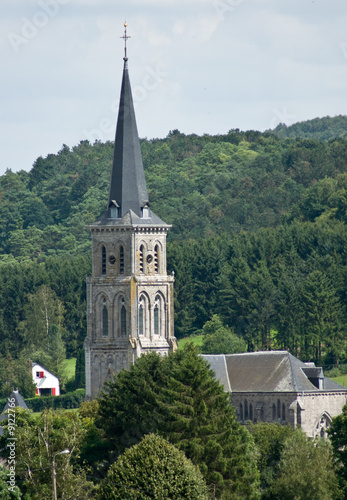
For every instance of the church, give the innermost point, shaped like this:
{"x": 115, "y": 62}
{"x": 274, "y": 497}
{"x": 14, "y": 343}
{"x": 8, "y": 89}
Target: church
{"x": 276, "y": 387}
{"x": 130, "y": 305}
{"x": 129, "y": 294}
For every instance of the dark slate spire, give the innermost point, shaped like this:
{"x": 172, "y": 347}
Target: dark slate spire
{"x": 128, "y": 185}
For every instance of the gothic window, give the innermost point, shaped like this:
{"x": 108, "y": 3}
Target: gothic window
{"x": 121, "y": 260}
{"x": 274, "y": 412}
{"x": 250, "y": 411}
{"x": 298, "y": 416}
{"x": 141, "y": 258}
{"x": 123, "y": 321}
{"x": 241, "y": 412}
{"x": 144, "y": 316}
{"x": 156, "y": 319}
{"x": 278, "y": 410}
{"x": 283, "y": 411}
{"x": 104, "y": 320}
{"x": 141, "y": 319}
{"x": 156, "y": 259}
{"x": 246, "y": 410}
{"x": 103, "y": 260}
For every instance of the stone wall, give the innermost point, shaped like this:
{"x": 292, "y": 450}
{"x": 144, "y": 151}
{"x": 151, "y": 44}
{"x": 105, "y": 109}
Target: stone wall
{"x": 312, "y": 411}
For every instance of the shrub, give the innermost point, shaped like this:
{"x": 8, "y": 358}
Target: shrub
{"x": 153, "y": 469}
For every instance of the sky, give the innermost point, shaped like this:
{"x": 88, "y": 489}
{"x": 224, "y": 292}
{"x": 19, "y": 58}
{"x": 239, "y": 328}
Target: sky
{"x": 199, "y": 66}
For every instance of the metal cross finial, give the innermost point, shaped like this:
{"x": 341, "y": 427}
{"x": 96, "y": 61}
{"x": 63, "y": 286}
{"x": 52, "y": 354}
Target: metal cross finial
{"x": 125, "y": 37}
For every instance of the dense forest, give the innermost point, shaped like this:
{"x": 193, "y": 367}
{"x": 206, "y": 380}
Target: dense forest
{"x": 258, "y": 237}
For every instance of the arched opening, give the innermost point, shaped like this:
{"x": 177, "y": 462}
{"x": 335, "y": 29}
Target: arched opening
{"x": 156, "y": 259}
{"x": 103, "y": 260}
{"x": 121, "y": 260}
{"x": 144, "y": 320}
{"x": 141, "y": 319}
{"x": 123, "y": 321}
{"x": 141, "y": 258}
{"x": 156, "y": 320}
{"x": 104, "y": 319}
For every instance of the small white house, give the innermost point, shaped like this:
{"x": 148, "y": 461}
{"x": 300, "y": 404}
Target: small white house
{"x": 46, "y": 383}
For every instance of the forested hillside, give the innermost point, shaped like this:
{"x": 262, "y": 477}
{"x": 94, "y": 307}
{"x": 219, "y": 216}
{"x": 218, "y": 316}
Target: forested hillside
{"x": 259, "y": 236}
{"x": 319, "y": 128}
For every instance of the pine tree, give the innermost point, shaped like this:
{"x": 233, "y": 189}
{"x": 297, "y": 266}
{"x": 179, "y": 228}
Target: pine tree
{"x": 179, "y": 398}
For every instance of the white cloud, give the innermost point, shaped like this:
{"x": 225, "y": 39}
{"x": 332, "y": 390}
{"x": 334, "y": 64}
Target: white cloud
{"x": 223, "y": 73}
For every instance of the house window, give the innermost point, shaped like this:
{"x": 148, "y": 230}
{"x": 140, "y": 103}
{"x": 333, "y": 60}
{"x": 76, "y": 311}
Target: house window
{"x": 141, "y": 258}
{"x": 156, "y": 259}
{"x": 241, "y": 412}
{"x": 103, "y": 260}
{"x": 121, "y": 260}
{"x": 123, "y": 321}
{"x": 104, "y": 320}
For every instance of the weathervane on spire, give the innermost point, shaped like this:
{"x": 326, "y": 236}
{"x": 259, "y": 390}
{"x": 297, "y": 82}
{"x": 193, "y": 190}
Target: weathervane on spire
{"x": 125, "y": 37}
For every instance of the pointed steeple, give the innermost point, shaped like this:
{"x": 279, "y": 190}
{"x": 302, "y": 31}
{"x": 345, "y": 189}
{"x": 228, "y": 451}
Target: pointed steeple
{"x": 128, "y": 185}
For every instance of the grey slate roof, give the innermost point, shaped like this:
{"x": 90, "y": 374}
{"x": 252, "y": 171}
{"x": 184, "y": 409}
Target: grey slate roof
{"x": 130, "y": 219}
{"x": 266, "y": 371}
{"x": 128, "y": 185}
{"x": 19, "y": 401}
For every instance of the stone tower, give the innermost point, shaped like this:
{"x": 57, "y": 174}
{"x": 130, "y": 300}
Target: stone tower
{"x": 129, "y": 295}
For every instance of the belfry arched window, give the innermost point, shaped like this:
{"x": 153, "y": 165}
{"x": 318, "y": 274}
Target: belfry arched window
{"x": 142, "y": 250}
{"x": 104, "y": 319}
{"x": 156, "y": 259}
{"x": 141, "y": 319}
{"x": 103, "y": 260}
{"x": 123, "y": 321}
{"x": 156, "y": 319}
{"x": 144, "y": 315}
{"x": 121, "y": 260}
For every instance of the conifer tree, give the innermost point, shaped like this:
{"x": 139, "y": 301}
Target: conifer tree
{"x": 179, "y": 398}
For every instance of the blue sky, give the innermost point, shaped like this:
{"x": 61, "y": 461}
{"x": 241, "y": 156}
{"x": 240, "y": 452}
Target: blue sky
{"x": 200, "y": 66}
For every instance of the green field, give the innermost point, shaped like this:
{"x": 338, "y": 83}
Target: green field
{"x": 195, "y": 339}
{"x": 69, "y": 365}
{"x": 342, "y": 380}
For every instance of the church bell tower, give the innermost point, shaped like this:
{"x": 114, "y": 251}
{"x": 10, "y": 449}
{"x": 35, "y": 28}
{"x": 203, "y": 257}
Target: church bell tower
{"x": 129, "y": 295}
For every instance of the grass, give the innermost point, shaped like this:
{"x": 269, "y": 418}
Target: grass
{"x": 195, "y": 339}
{"x": 69, "y": 365}
{"x": 342, "y": 380}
